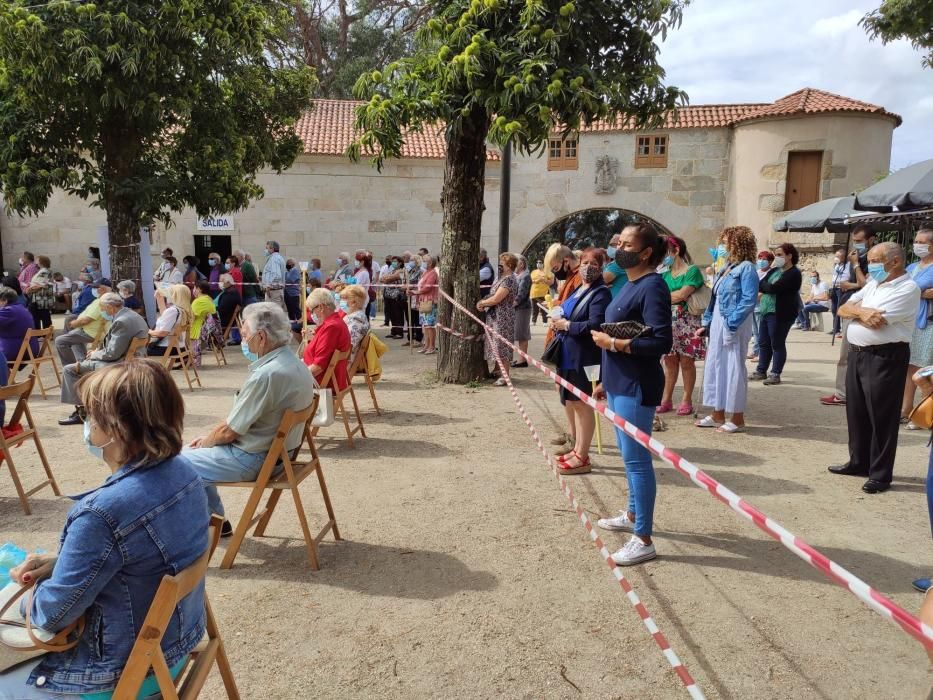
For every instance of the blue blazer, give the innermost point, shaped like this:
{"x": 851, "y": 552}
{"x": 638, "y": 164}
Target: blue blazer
{"x": 579, "y": 350}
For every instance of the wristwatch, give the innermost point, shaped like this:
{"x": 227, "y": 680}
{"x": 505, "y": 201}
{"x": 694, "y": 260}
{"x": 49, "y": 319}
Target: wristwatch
{"x": 612, "y": 345}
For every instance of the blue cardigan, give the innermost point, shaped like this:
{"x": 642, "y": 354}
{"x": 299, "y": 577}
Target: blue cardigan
{"x": 648, "y": 301}
{"x": 578, "y": 349}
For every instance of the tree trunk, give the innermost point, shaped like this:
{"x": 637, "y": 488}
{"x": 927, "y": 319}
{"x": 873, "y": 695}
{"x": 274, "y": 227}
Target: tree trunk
{"x": 461, "y": 361}
{"x": 123, "y": 232}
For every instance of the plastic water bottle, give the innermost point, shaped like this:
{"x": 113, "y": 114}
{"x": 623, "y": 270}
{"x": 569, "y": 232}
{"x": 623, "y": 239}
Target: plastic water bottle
{"x": 556, "y": 313}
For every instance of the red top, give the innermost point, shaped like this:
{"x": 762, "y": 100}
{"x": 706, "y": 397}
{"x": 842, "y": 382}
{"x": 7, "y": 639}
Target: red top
{"x": 331, "y": 335}
{"x": 237, "y": 276}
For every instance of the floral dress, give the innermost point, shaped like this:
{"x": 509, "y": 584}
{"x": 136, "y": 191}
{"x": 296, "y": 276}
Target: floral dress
{"x": 685, "y": 324}
{"x": 501, "y": 318}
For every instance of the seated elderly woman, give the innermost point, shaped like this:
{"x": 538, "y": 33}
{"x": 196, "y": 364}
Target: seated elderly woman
{"x": 149, "y": 518}
{"x": 330, "y": 335}
{"x": 127, "y": 290}
{"x": 353, "y": 302}
{"x": 227, "y": 303}
{"x": 201, "y": 308}
{"x": 125, "y": 325}
{"x": 277, "y": 381}
{"x": 15, "y": 320}
{"x": 177, "y": 315}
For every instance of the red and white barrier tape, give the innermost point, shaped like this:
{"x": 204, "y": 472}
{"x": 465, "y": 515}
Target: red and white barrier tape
{"x": 650, "y": 624}
{"x": 836, "y": 573}
{"x": 462, "y": 336}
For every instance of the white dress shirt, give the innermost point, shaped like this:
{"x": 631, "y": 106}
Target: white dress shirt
{"x": 820, "y": 289}
{"x": 897, "y": 300}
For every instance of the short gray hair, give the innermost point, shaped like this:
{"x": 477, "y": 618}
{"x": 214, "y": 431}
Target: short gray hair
{"x": 269, "y": 317}
{"x": 111, "y": 299}
{"x": 892, "y": 250}
{"x": 321, "y": 297}
{"x": 344, "y": 256}
{"x": 274, "y": 244}
{"x": 127, "y": 285}
{"x": 522, "y": 261}
{"x": 9, "y": 295}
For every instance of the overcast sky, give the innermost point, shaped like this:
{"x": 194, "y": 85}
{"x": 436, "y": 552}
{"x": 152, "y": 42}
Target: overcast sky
{"x": 760, "y": 50}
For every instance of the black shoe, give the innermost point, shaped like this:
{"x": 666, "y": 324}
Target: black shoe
{"x": 757, "y": 376}
{"x": 226, "y": 530}
{"x": 73, "y": 419}
{"x": 872, "y": 486}
{"x": 846, "y": 470}
{"x": 519, "y": 364}
{"x": 231, "y": 343}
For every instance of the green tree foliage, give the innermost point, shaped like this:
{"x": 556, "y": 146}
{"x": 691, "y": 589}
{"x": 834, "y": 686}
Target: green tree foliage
{"x": 510, "y": 71}
{"x": 144, "y": 108}
{"x": 903, "y": 19}
{"x": 343, "y": 40}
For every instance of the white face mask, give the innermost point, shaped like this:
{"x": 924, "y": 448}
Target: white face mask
{"x": 921, "y": 250}
{"x": 778, "y": 263}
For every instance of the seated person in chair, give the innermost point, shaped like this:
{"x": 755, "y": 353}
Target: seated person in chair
{"x": 177, "y": 315}
{"x": 817, "y": 302}
{"x": 235, "y": 449}
{"x": 125, "y": 325}
{"x": 330, "y": 334}
{"x": 72, "y": 346}
{"x": 15, "y": 321}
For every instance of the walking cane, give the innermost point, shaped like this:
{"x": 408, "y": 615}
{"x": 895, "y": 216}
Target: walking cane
{"x": 411, "y": 331}
{"x": 303, "y": 293}
{"x": 592, "y": 373}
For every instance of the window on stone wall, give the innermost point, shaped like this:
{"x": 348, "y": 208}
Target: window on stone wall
{"x": 651, "y": 152}
{"x": 562, "y": 153}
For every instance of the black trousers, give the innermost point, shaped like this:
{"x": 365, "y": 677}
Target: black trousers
{"x": 874, "y": 378}
{"x": 293, "y": 305}
{"x": 414, "y": 330}
{"x": 535, "y": 310}
{"x": 836, "y": 298}
{"x": 395, "y": 308}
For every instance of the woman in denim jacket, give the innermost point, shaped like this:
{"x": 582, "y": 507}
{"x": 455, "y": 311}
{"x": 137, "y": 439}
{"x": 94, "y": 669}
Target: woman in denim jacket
{"x": 728, "y": 324}
{"x": 148, "y": 519}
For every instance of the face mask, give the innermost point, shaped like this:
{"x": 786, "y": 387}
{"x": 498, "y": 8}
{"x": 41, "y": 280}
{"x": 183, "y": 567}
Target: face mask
{"x": 89, "y": 269}
{"x": 394, "y": 265}
{"x": 106, "y": 316}
{"x": 589, "y": 273}
{"x": 814, "y": 280}
{"x": 268, "y": 252}
{"x": 289, "y": 267}
{"x": 410, "y": 266}
{"x": 315, "y": 319}
{"x": 921, "y": 250}
{"x": 540, "y": 266}
{"x": 860, "y": 247}
{"x": 344, "y": 306}
{"x": 778, "y": 262}
{"x": 227, "y": 266}
{"x": 95, "y": 292}
{"x": 668, "y": 260}
{"x": 762, "y": 264}
{"x": 247, "y": 353}
{"x": 79, "y": 284}
{"x": 340, "y": 262}
{"x": 424, "y": 267}
{"x": 211, "y": 262}
{"x": 721, "y": 251}
{"x": 95, "y": 450}
{"x": 611, "y": 251}
{"x": 561, "y": 274}
{"x": 627, "y": 259}
{"x": 877, "y": 272}
{"x": 125, "y": 296}
{"x": 20, "y": 262}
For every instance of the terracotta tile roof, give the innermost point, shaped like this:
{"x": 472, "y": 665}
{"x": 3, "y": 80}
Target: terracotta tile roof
{"x": 329, "y": 128}
{"x": 813, "y": 101}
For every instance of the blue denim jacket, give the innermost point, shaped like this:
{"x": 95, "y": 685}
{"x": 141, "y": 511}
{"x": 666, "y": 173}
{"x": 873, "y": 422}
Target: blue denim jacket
{"x": 119, "y": 541}
{"x": 736, "y": 295}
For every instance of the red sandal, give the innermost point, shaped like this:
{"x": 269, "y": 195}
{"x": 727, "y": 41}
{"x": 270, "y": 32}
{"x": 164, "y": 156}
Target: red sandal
{"x": 584, "y": 467}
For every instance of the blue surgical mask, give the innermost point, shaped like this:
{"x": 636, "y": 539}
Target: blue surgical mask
{"x": 611, "y": 252}
{"x": 424, "y": 267}
{"x": 268, "y": 252}
{"x": 247, "y": 353}
{"x": 410, "y": 265}
{"x": 95, "y": 292}
{"x": 860, "y": 247}
{"x": 95, "y": 450}
{"x": 211, "y": 262}
{"x": 106, "y": 316}
{"x": 763, "y": 264}
{"x": 394, "y": 265}
{"x": 722, "y": 251}
{"x": 228, "y": 266}
{"x": 315, "y": 319}
{"x": 668, "y": 260}
{"x": 344, "y": 306}
{"x": 340, "y": 262}
{"x": 814, "y": 280}
{"x": 877, "y": 272}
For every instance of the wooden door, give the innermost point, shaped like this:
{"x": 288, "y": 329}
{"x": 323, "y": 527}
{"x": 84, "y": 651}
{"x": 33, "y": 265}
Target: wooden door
{"x": 803, "y": 179}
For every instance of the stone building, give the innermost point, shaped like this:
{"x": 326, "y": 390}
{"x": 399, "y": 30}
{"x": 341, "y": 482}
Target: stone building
{"x": 709, "y": 166}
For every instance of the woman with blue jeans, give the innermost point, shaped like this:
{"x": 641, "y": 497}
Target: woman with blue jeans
{"x": 633, "y": 380}
{"x": 779, "y": 305}
{"x": 765, "y": 258}
{"x": 148, "y": 519}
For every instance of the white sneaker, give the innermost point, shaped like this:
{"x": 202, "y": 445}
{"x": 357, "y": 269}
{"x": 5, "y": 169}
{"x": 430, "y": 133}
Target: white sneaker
{"x": 634, "y": 552}
{"x": 620, "y": 522}
{"x": 912, "y": 426}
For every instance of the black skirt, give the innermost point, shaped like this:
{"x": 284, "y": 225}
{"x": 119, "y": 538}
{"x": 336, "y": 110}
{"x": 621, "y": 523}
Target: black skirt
{"x": 576, "y": 377}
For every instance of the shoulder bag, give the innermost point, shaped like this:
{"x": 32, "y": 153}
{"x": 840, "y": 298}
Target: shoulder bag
{"x": 922, "y": 414}
{"x": 698, "y": 302}
{"x": 19, "y": 639}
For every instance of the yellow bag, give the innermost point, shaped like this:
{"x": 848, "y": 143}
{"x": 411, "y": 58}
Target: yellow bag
{"x": 922, "y": 414}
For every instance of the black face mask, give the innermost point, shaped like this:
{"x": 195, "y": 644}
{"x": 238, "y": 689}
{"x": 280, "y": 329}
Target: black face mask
{"x": 561, "y": 274}
{"x": 627, "y": 259}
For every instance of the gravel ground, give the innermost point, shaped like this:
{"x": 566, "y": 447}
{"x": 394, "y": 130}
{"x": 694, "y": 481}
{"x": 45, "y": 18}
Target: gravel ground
{"x": 463, "y": 571}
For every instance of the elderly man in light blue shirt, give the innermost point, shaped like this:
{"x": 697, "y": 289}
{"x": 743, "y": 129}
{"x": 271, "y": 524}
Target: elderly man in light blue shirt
{"x": 278, "y": 381}
{"x": 273, "y": 275}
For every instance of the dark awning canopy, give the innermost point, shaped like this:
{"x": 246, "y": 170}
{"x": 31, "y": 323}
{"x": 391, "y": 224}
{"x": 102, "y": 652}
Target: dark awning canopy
{"x": 909, "y": 188}
{"x": 825, "y": 215}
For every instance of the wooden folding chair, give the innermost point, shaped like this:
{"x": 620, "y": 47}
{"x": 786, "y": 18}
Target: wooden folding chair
{"x": 294, "y": 471}
{"x": 136, "y": 344}
{"x": 26, "y": 356}
{"x": 147, "y": 650}
{"x": 181, "y": 356}
{"x": 232, "y": 323}
{"x": 21, "y": 414}
{"x": 218, "y": 349}
{"x": 330, "y": 381}
{"x": 359, "y": 369}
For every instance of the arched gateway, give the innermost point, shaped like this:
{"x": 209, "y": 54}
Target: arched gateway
{"x": 584, "y": 228}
